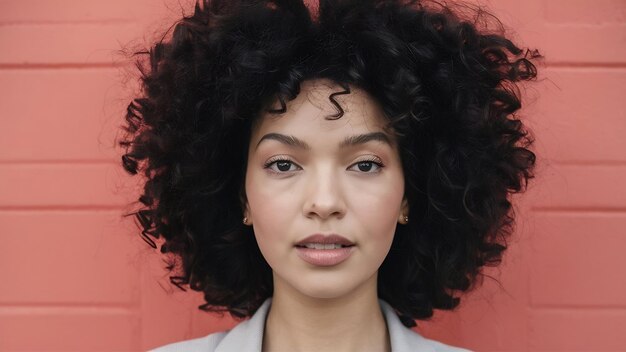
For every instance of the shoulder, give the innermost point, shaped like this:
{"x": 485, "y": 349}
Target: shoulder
{"x": 245, "y": 336}
{"x": 442, "y": 347}
{"x": 415, "y": 341}
{"x": 206, "y": 343}
{"x": 404, "y": 339}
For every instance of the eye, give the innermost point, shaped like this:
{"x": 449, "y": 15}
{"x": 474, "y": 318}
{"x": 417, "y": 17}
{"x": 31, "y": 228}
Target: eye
{"x": 366, "y": 165}
{"x": 284, "y": 164}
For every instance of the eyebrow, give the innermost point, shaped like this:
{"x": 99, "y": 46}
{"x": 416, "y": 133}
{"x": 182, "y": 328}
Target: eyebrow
{"x": 347, "y": 142}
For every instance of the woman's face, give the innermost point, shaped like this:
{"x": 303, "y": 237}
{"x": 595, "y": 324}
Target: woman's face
{"x": 324, "y": 188}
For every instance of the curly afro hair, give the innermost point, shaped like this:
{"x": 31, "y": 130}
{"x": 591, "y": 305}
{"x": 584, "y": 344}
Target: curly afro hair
{"x": 447, "y": 87}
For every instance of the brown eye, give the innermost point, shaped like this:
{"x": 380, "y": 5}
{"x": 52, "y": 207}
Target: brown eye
{"x": 365, "y": 166}
{"x": 282, "y": 165}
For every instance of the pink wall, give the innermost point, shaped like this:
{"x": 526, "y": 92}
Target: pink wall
{"x": 76, "y": 277}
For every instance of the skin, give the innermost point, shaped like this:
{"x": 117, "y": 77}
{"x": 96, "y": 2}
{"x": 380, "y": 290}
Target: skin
{"x": 324, "y": 190}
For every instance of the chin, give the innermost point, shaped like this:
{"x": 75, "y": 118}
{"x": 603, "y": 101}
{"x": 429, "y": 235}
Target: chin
{"x": 330, "y": 288}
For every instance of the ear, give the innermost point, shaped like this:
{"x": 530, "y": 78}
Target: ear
{"x": 404, "y": 211}
{"x": 405, "y": 206}
{"x": 243, "y": 201}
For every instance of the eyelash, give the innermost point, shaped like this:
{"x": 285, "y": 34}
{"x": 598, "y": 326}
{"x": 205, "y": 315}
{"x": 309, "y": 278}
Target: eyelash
{"x": 373, "y": 160}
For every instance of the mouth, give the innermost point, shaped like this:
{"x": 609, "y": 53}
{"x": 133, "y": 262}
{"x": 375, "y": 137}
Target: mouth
{"x": 323, "y": 246}
{"x": 324, "y": 241}
{"x": 324, "y": 255}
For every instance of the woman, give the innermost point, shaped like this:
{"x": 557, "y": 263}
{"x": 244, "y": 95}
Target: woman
{"x": 331, "y": 178}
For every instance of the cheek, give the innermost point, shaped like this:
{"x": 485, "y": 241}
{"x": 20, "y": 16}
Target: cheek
{"x": 377, "y": 220}
{"x": 269, "y": 199}
{"x": 376, "y": 212}
{"x": 266, "y": 203}
{"x": 378, "y": 207}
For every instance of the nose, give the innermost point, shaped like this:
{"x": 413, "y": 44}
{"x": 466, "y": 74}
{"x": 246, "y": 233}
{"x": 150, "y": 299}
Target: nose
{"x": 324, "y": 196}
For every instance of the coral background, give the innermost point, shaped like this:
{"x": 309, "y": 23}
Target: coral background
{"x": 75, "y": 275}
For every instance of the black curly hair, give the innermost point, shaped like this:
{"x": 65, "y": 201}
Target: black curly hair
{"x": 447, "y": 87}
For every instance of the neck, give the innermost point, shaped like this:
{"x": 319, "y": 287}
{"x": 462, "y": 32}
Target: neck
{"x": 352, "y": 322}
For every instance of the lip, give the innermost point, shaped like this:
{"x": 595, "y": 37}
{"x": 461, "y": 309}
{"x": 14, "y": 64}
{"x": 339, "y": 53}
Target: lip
{"x": 324, "y": 257}
{"x": 332, "y": 238}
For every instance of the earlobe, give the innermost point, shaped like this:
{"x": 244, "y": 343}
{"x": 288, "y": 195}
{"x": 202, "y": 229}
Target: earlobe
{"x": 244, "y": 205}
{"x": 246, "y": 217}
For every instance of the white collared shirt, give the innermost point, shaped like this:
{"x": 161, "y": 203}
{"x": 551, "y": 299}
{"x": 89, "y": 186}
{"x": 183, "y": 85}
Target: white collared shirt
{"x": 247, "y": 336}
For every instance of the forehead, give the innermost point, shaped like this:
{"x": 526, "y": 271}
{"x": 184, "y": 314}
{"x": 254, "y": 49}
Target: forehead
{"x": 306, "y": 114}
